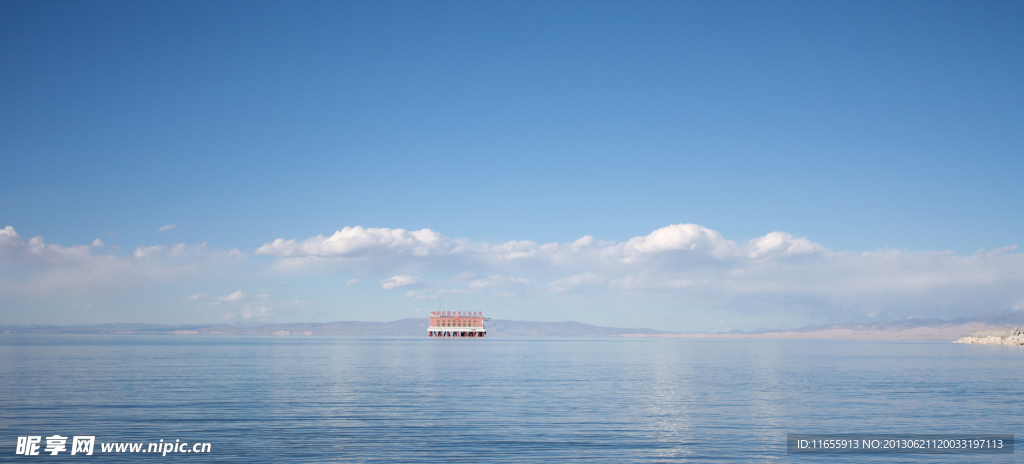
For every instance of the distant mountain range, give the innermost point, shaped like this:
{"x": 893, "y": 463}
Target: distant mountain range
{"x": 417, "y": 327}
{"x": 1001, "y": 319}
{"x": 936, "y": 329}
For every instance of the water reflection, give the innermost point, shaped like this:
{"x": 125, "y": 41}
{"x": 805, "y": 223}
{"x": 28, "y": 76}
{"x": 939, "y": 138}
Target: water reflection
{"x": 316, "y": 399}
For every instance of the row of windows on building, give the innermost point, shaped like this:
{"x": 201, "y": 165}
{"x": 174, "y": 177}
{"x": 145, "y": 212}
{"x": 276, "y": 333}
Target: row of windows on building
{"x": 456, "y": 324}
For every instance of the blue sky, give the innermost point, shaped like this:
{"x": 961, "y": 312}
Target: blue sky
{"x": 860, "y": 128}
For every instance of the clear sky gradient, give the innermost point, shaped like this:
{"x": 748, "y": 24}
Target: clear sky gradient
{"x": 860, "y": 130}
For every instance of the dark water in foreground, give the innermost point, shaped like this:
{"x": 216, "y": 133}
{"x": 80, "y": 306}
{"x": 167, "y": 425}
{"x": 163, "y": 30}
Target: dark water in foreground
{"x": 324, "y": 399}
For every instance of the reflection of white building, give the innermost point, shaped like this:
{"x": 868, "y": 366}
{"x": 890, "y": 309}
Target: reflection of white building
{"x": 457, "y": 324}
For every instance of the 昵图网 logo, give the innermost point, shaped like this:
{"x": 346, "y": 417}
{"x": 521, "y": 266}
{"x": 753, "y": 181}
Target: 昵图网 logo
{"x": 34, "y": 445}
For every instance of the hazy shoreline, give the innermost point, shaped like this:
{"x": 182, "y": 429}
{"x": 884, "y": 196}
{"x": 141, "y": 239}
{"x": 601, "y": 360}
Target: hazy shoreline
{"x": 929, "y": 329}
{"x": 946, "y": 332}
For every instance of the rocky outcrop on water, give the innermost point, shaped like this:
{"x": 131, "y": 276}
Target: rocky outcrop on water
{"x": 1014, "y": 340}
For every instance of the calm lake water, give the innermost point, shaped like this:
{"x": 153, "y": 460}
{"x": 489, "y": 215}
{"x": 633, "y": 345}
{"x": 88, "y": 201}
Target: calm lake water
{"x": 335, "y": 399}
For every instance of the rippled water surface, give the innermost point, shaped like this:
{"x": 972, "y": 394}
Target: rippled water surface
{"x": 325, "y": 399}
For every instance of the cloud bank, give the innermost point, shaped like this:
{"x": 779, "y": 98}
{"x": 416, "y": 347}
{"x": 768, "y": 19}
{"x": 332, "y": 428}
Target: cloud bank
{"x": 679, "y": 269}
{"x": 693, "y": 265}
{"x": 34, "y": 268}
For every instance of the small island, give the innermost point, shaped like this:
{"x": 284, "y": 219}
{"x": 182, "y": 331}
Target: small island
{"x": 994, "y": 337}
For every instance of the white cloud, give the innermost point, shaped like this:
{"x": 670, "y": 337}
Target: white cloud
{"x": 97, "y": 243}
{"x": 32, "y": 267}
{"x": 166, "y": 228}
{"x": 352, "y": 281}
{"x": 180, "y": 248}
{"x": 428, "y": 294}
{"x": 498, "y": 281}
{"x": 238, "y": 295}
{"x": 983, "y": 253}
{"x": 401, "y": 280}
{"x": 680, "y": 237}
{"x": 353, "y": 242}
{"x": 651, "y": 280}
{"x": 781, "y": 244}
{"x": 35, "y": 250}
{"x": 251, "y": 314}
{"x": 569, "y": 283}
{"x": 495, "y": 285}
{"x": 145, "y": 252}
